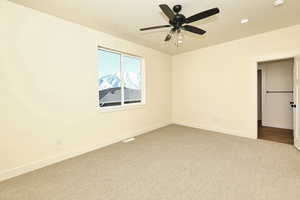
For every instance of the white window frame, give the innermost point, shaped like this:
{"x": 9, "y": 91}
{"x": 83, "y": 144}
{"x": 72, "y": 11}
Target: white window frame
{"x": 124, "y": 106}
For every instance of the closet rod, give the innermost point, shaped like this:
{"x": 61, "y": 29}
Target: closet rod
{"x": 280, "y": 92}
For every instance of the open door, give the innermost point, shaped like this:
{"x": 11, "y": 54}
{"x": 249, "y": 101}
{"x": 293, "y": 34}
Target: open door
{"x": 296, "y": 104}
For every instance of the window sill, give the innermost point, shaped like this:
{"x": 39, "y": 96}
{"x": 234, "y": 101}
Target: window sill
{"x": 122, "y": 108}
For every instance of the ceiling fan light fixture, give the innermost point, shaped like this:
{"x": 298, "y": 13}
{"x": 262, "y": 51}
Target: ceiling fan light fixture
{"x": 178, "y": 37}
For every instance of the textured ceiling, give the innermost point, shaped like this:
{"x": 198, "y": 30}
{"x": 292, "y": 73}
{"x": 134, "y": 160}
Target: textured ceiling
{"x": 123, "y": 18}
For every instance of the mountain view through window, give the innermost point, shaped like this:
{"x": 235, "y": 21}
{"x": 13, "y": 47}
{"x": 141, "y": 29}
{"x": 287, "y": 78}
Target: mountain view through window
{"x": 119, "y": 79}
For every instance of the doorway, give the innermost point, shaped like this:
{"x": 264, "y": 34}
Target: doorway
{"x": 274, "y": 100}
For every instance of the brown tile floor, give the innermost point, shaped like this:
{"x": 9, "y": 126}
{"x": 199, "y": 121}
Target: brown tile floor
{"x": 275, "y": 134}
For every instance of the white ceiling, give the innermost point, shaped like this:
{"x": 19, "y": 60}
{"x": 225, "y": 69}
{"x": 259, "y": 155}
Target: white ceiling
{"x": 123, "y": 18}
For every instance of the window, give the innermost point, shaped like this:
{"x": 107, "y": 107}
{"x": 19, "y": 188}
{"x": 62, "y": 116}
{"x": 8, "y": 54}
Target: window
{"x": 120, "y": 79}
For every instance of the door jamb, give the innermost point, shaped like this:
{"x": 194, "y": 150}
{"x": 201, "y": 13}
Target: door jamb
{"x": 255, "y": 67}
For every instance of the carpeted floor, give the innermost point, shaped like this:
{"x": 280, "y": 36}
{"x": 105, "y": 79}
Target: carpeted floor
{"x": 172, "y": 163}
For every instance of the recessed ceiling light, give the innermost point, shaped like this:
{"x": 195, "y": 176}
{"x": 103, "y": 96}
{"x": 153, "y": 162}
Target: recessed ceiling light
{"x": 278, "y": 2}
{"x": 244, "y": 21}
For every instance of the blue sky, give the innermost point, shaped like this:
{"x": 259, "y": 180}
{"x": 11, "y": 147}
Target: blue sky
{"x": 109, "y": 63}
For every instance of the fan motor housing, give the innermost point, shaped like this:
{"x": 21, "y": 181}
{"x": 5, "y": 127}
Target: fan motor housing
{"x": 178, "y": 20}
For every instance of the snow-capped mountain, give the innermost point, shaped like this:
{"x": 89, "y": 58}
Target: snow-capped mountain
{"x": 109, "y": 81}
{"x": 131, "y": 80}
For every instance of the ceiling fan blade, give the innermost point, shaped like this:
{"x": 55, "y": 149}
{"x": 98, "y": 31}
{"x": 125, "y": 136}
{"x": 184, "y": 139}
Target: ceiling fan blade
{"x": 194, "y": 29}
{"x": 167, "y": 11}
{"x": 202, "y": 15}
{"x": 154, "y": 27}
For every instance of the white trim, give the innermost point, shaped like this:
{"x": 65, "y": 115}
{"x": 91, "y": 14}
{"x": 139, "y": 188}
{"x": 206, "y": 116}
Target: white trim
{"x": 124, "y": 106}
{"x": 263, "y": 95}
{"x": 297, "y": 144}
{"x": 122, "y": 80}
{"x": 7, "y": 174}
{"x": 117, "y": 51}
{"x": 272, "y": 57}
{"x": 214, "y": 129}
{"x": 143, "y": 81}
{"x": 296, "y": 110}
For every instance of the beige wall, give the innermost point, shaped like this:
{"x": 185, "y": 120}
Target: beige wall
{"x": 48, "y": 83}
{"x": 277, "y": 76}
{"x": 215, "y": 88}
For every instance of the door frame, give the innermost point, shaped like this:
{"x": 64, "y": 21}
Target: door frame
{"x": 296, "y": 96}
{"x": 262, "y": 89}
{"x": 266, "y": 58}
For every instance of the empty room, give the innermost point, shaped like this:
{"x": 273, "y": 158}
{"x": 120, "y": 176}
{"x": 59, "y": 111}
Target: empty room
{"x": 149, "y": 100}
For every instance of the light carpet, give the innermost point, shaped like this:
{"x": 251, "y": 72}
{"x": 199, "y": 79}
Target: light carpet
{"x": 172, "y": 163}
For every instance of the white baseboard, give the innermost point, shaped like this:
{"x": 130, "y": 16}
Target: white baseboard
{"x": 10, "y": 173}
{"x": 216, "y": 129}
{"x": 297, "y": 144}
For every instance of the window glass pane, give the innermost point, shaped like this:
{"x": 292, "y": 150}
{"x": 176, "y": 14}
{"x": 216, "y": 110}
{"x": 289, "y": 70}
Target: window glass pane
{"x": 109, "y": 82}
{"x": 132, "y": 80}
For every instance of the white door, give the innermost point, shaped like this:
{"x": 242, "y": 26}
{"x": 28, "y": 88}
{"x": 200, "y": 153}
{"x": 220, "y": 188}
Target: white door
{"x": 296, "y": 102}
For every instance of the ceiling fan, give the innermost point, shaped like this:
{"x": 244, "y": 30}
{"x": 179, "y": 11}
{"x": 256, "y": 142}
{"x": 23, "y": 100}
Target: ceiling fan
{"x": 177, "y": 22}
